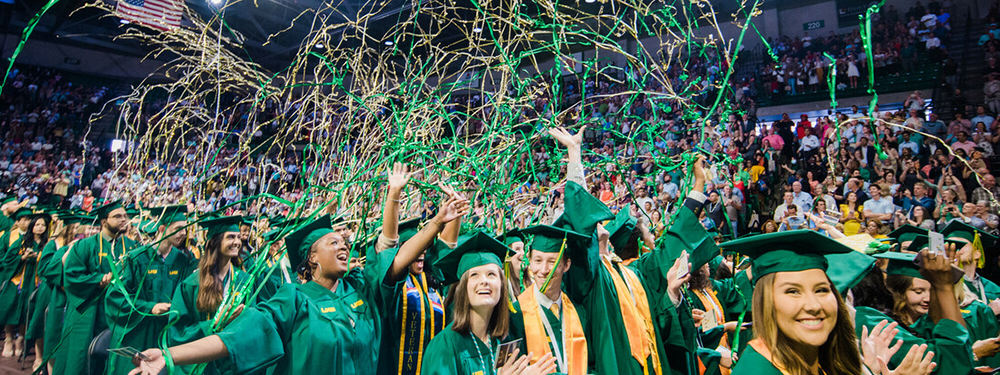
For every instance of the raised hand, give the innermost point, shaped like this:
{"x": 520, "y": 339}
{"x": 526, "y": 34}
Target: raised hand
{"x": 674, "y": 283}
{"x": 915, "y": 362}
{"x": 570, "y": 141}
{"x": 399, "y": 177}
{"x": 545, "y": 365}
{"x": 878, "y": 344}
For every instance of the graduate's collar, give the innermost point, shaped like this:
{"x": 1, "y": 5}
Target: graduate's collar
{"x": 544, "y": 300}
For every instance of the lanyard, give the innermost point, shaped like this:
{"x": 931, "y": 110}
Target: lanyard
{"x": 481, "y": 362}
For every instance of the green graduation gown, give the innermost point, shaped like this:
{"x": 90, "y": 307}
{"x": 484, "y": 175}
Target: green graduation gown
{"x": 5, "y": 223}
{"x": 752, "y": 363}
{"x": 52, "y": 270}
{"x": 147, "y": 278}
{"x": 38, "y": 302}
{"x": 192, "y": 324}
{"x": 517, "y": 328}
{"x": 731, "y": 303}
{"x": 948, "y": 339}
{"x": 43, "y": 296}
{"x": 21, "y": 291}
{"x": 592, "y": 289}
{"x": 988, "y": 291}
{"x": 87, "y": 261}
{"x": 11, "y": 267}
{"x": 308, "y": 329}
{"x": 453, "y": 353}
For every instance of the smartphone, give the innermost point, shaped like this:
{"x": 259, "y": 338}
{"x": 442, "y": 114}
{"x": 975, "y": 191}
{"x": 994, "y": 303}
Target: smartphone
{"x": 505, "y": 350}
{"x": 936, "y": 241}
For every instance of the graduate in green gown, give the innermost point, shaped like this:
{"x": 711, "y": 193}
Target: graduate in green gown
{"x": 972, "y": 256}
{"x": 11, "y": 278}
{"x": 624, "y": 308}
{"x": 46, "y": 320}
{"x": 855, "y": 275}
{"x": 332, "y": 323}
{"x": 801, "y": 324}
{"x": 89, "y": 266}
{"x": 470, "y": 344}
{"x": 136, "y": 306}
{"x": 25, "y": 262}
{"x": 207, "y": 298}
{"x": 548, "y": 321}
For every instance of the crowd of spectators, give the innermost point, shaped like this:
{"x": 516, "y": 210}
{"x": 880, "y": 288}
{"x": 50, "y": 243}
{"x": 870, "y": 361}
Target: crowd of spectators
{"x": 898, "y": 43}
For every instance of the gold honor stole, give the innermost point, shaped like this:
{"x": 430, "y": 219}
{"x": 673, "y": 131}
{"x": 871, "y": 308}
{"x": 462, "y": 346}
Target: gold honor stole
{"x": 709, "y": 299}
{"x": 19, "y": 272}
{"x": 635, "y": 315}
{"x": 411, "y": 341}
{"x": 574, "y": 342}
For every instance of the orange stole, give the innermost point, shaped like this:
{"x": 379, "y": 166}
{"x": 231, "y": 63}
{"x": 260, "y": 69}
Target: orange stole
{"x": 709, "y": 299}
{"x": 574, "y": 342}
{"x": 636, "y": 316}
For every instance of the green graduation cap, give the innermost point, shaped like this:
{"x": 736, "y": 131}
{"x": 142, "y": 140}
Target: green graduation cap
{"x": 103, "y": 211}
{"x": 549, "y": 238}
{"x": 299, "y": 241}
{"x": 587, "y": 210}
{"x": 247, "y": 219}
{"x": 957, "y": 229}
{"x": 407, "y": 229}
{"x": 72, "y": 219}
{"x": 148, "y": 227}
{"x": 166, "y": 215}
{"x": 788, "y": 251}
{"x": 217, "y": 225}
{"x": 907, "y": 233}
{"x": 474, "y": 249}
{"x": 511, "y": 237}
{"x": 847, "y": 269}
{"x": 132, "y": 211}
{"x": 621, "y": 228}
{"x": 918, "y": 243}
{"x": 8, "y": 198}
{"x": 23, "y": 212}
{"x": 900, "y": 264}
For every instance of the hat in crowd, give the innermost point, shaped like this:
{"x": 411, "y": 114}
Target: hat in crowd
{"x": 475, "y": 249}
{"x": 22, "y": 213}
{"x": 407, "y": 229}
{"x": 621, "y": 228}
{"x": 901, "y": 264}
{"x": 957, "y": 229}
{"x": 511, "y": 237}
{"x": 166, "y": 215}
{"x": 8, "y": 198}
{"x": 907, "y": 233}
{"x": 788, "y": 251}
{"x": 549, "y": 238}
{"x": 217, "y": 225}
{"x": 301, "y": 240}
{"x": 103, "y": 211}
{"x": 847, "y": 269}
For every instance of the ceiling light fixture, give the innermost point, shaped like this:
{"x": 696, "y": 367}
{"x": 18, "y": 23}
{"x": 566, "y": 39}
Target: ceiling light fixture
{"x": 216, "y": 2}
{"x": 124, "y": 21}
{"x": 388, "y": 43}
{"x": 590, "y": 1}
{"x": 320, "y": 46}
{"x": 477, "y": 29}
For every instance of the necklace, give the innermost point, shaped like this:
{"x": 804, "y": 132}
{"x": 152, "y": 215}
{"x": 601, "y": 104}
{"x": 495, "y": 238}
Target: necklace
{"x": 481, "y": 362}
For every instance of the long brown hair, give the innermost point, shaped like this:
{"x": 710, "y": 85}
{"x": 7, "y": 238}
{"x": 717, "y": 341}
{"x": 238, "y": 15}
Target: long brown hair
{"x": 837, "y": 356}
{"x": 899, "y": 285}
{"x": 210, "y": 288}
{"x": 458, "y": 299}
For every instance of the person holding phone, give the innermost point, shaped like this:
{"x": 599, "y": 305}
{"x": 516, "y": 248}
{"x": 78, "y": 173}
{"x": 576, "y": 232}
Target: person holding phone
{"x": 470, "y": 344}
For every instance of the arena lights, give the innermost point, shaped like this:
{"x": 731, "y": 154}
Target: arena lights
{"x": 477, "y": 29}
{"x": 320, "y": 46}
{"x": 388, "y": 43}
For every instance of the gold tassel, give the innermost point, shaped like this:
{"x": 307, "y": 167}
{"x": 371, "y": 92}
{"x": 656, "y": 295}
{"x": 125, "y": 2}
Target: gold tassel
{"x": 977, "y": 246}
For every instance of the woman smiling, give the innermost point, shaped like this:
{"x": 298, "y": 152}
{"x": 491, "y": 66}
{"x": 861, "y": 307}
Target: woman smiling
{"x": 801, "y": 325}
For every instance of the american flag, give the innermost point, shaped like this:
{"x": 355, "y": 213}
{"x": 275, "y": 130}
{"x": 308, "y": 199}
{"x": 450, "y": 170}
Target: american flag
{"x": 159, "y": 14}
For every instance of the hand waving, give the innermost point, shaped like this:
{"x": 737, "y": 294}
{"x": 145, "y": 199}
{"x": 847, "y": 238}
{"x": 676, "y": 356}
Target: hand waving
{"x": 399, "y": 177}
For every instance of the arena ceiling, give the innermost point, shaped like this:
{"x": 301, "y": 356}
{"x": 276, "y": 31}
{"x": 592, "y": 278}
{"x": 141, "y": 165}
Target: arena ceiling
{"x": 271, "y": 34}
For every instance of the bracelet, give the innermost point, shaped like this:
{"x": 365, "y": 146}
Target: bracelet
{"x": 400, "y": 201}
